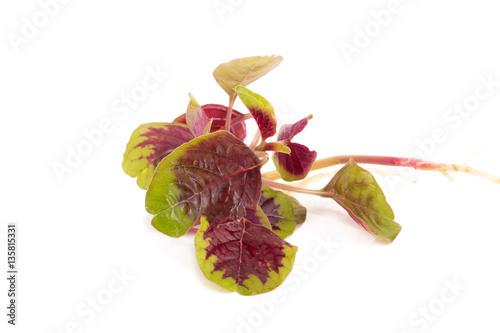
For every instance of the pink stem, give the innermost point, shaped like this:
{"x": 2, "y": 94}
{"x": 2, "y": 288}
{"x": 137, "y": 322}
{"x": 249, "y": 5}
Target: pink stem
{"x": 380, "y": 160}
{"x": 242, "y": 118}
{"x": 392, "y": 161}
{"x": 255, "y": 140}
{"x": 229, "y": 113}
{"x": 290, "y": 188}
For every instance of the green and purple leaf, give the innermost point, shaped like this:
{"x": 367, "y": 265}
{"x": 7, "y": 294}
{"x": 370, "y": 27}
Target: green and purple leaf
{"x": 257, "y": 216}
{"x": 196, "y": 118}
{"x": 242, "y": 256}
{"x": 243, "y": 71}
{"x": 279, "y": 210}
{"x": 355, "y": 190}
{"x": 218, "y": 112}
{"x": 261, "y": 110}
{"x": 215, "y": 175}
{"x": 277, "y": 146}
{"x": 297, "y": 164}
{"x": 148, "y": 145}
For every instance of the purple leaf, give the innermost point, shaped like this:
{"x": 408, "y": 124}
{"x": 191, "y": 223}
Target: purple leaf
{"x": 218, "y": 113}
{"x": 279, "y": 210}
{"x": 297, "y": 164}
{"x": 148, "y": 145}
{"x": 287, "y": 132}
{"x": 242, "y": 256}
{"x": 257, "y": 216}
{"x": 215, "y": 175}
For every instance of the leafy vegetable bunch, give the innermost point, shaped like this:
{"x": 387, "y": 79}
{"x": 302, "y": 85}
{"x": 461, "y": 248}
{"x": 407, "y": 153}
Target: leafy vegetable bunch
{"x": 198, "y": 172}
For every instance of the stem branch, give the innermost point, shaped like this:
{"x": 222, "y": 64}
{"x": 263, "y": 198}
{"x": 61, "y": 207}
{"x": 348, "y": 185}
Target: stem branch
{"x": 290, "y": 188}
{"x": 255, "y": 140}
{"x": 242, "y": 118}
{"x": 229, "y": 113}
{"x": 393, "y": 161}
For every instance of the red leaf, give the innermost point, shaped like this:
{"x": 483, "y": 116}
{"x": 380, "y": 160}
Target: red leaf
{"x": 218, "y": 113}
{"x": 214, "y": 175}
{"x": 242, "y": 256}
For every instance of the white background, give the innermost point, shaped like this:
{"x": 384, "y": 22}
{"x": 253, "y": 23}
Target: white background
{"x": 76, "y": 233}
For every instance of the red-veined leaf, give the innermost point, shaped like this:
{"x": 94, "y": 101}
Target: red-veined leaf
{"x": 215, "y": 175}
{"x": 148, "y": 145}
{"x": 243, "y": 256}
{"x": 218, "y": 113}
{"x": 261, "y": 110}
{"x": 297, "y": 164}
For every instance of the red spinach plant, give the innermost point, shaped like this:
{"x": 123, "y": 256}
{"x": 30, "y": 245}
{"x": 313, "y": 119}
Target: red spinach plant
{"x": 197, "y": 170}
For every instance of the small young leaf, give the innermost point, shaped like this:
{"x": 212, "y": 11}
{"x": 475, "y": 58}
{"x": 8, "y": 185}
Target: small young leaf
{"x": 148, "y": 145}
{"x": 208, "y": 127}
{"x": 278, "y": 147}
{"x": 215, "y": 175}
{"x": 279, "y": 210}
{"x": 243, "y": 71}
{"x": 193, "y": 103}
{"x": 355, "y": 189}
{"x": 288, "y": 131}
{"x": 260, "y": 109}
{"x": 297, "y": 164}
{"x": 196, "y": 118}
{"x": 218, "y": 113}
{"x": 242, "y": 256}
{"x": 299, "y": 211}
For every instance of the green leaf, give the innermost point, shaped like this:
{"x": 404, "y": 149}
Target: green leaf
{"x": 193, "y": 103}
{"x": 355, "y": 189}
{"x": 261, "y": 110}
{"x": 277, "y": 147}
{"x": 214, "y": 175}
{"x": 148, "y": 145}
{"x": 243, "y": 256}
{"x": 299, "y": 211}
{"x": 243, "y": 71}
{"x": 279, "y": 210}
